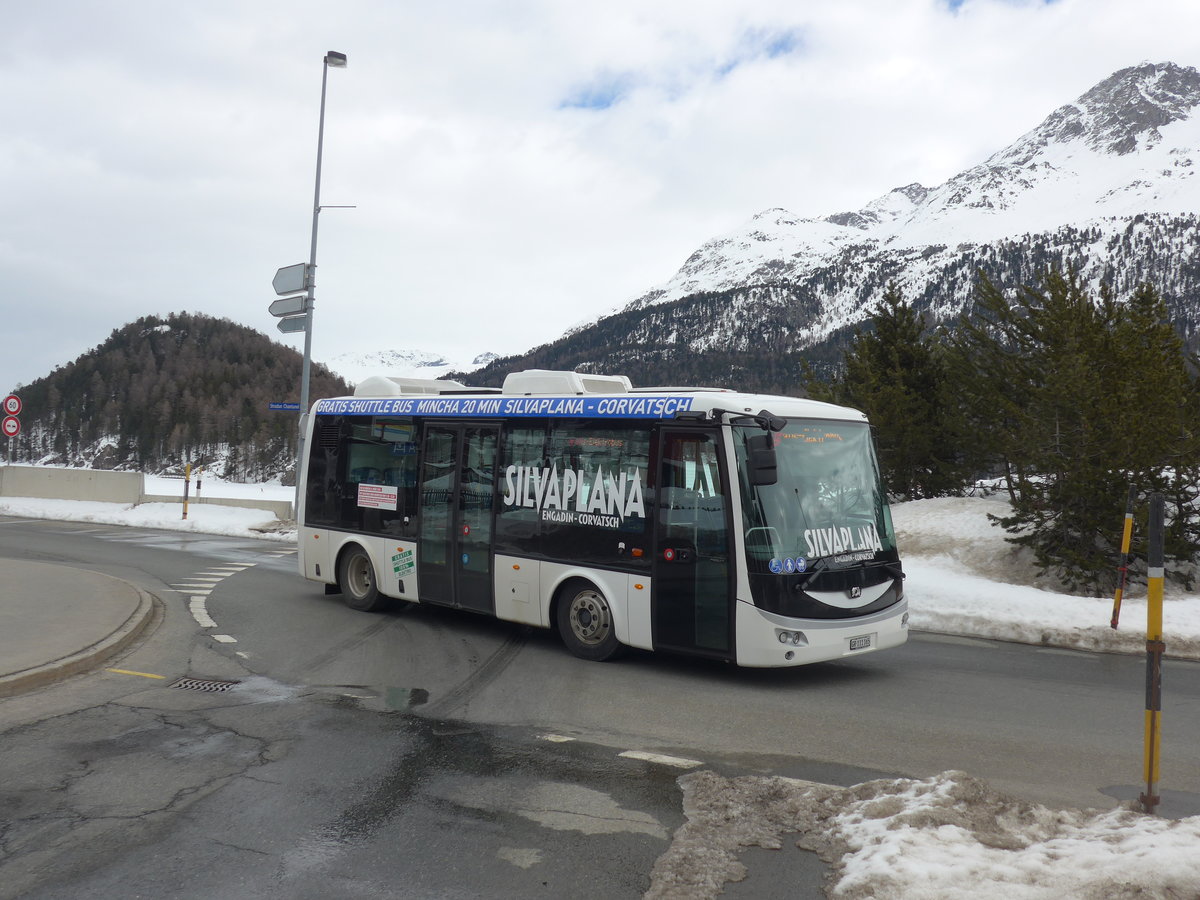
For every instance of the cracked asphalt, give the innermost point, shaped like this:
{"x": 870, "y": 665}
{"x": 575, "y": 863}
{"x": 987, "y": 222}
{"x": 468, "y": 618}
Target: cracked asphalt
{"x": 315, "y": 797}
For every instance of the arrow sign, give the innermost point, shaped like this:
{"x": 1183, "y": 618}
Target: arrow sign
{"x": 12, "y": 426}
{"x": 292, "y": 324}
{"x": 289, "y": 306}
{"x": 291, "y": 279}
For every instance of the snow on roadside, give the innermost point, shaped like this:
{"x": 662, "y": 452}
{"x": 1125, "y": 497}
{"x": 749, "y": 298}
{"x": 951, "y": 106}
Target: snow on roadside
{"x": 939, "y": 838}
{"x": 203, "y": 518}
{"x": 965, "y": 579}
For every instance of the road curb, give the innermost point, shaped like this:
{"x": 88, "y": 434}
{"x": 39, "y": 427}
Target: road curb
{"x": 89, "y": 657}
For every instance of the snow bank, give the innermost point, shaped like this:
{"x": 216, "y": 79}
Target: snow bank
{"x": 965, "y": 579}
{"x": 203, "y": 518}
{"x": 940, "y": 838}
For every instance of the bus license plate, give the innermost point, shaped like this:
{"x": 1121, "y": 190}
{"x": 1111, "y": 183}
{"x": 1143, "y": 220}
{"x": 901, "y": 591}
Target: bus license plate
{"x": 861, "y": 643}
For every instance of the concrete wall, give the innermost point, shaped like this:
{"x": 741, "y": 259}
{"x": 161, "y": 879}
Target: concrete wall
{"x": 281, "y": 508}
{"x": 70, "y": 484}
{"x": 111, "y": 487}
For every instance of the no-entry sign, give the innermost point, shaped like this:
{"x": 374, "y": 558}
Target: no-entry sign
{"x": 12, "y": 405}
{"x": 11, "y": 426}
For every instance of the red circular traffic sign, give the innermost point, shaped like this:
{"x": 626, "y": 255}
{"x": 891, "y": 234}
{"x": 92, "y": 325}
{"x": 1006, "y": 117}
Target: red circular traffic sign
{"x": 12, "y": 404}
{"x": 11, "y": 426}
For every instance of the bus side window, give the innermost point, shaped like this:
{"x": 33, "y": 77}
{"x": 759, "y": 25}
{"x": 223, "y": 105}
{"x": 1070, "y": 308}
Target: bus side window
{"x": 691, "y": 496}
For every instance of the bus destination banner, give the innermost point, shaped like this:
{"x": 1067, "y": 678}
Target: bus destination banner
{"x": 624, "y": 407}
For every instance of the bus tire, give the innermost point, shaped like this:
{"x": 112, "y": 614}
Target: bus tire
{"x": 585, "y": 622}
{"x": 356, "y": 577}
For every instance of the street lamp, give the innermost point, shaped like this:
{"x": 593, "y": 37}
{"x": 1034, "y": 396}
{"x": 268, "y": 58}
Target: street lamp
{"x": 337, "y": 61}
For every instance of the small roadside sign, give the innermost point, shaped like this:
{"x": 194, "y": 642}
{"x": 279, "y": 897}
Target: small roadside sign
{"x": 289, "y": 306}
{"x": 11, "y": 426}
{"x": 12, "y": 405}
{"x": 291, "y": 279}
{"x": 284, "y": 407}
{"x": 292, "y": 324}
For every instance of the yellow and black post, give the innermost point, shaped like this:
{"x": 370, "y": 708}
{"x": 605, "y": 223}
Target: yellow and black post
{"x": 1154, "y": 652}
{"x": 1123, "y": 568}
{"x": 187, "y": 481}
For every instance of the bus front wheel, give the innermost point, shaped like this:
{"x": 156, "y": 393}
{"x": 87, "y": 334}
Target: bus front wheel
{"x": 356, "y": 576}
{"x": 585, "y": 622}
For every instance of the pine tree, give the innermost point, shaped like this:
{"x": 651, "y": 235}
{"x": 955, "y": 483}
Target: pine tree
{"x": 1075, "y": 399}
{"x": 896, "y": 375}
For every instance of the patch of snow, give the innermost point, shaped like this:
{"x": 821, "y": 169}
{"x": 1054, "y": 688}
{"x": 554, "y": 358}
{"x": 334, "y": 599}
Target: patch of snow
{"x": 940, "y": 838}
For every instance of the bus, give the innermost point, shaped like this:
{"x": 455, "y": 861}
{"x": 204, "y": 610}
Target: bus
{"x": 745, "y": 528}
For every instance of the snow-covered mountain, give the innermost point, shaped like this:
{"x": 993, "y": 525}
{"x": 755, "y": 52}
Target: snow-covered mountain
{"x": 1124, "y": 156}
{"x": 355, "y": 367}
{"x": 1106, "y": 185}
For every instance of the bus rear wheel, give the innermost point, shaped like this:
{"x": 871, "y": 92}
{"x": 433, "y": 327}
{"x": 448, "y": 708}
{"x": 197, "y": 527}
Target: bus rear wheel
{"x": 356, "y": 576}
{"x": 585, "y": 622}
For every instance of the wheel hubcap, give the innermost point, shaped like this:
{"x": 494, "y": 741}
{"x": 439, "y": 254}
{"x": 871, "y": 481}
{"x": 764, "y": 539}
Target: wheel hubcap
{"x": 590, "y": 618}
{"x": 360, "y": 577}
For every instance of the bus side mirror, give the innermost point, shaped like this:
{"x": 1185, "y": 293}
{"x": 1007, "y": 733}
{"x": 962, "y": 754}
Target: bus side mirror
{"x": 760, "y": 455}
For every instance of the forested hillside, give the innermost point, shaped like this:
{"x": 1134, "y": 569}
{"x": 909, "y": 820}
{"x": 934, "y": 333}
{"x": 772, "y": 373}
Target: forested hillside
{"x": 163, "y": 392}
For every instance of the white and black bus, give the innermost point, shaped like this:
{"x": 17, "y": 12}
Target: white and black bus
{"x": 746, "y": 528}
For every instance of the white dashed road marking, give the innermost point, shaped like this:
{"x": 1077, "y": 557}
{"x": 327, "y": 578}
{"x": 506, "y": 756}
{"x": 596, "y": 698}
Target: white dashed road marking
{"x": 199, "y": 586}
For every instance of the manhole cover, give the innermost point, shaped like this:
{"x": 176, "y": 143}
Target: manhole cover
{"x": 200, "y": 684}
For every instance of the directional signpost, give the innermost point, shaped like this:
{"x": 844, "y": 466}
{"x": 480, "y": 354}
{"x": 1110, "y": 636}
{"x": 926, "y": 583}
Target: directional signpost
{"x": 292, "y": 311}
{"x": 292, "y": 324}
{"x": 289, "y": 306}
{"x": 291, "y": 279}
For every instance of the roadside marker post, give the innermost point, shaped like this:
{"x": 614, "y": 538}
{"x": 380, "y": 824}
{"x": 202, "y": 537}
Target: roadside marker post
{"x": 1123, "y": 568}
{"x": 1155, "y": 647}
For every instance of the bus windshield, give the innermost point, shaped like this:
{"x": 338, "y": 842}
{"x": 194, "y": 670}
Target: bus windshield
{"x": 827, "y": 505}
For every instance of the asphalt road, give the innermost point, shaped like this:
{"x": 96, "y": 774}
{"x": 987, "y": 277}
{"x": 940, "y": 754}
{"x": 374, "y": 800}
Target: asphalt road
{"x": 422, "y": 752}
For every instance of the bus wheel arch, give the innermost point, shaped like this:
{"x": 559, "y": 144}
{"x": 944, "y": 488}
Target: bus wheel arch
{"x": 357, "y": 579}
{"x": 584, "y": 618}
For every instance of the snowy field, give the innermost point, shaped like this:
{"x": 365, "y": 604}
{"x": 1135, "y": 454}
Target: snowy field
{"x": 946, "y": 837}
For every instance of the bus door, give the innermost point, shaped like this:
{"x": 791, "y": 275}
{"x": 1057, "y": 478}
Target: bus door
{"x": 692, "y": 602}
{"x": 458, "y": 484}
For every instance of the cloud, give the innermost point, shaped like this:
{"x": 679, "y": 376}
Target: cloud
{"x": 515, "y": 169}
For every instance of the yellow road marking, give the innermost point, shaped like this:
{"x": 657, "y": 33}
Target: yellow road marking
{"x": 128, "y": 672}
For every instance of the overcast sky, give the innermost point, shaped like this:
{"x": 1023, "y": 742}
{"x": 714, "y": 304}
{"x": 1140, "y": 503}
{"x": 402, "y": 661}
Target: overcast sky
{"x": 516, "y": 167}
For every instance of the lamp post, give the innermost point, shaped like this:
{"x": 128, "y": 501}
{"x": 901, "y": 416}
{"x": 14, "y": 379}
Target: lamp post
{"x": 337, "y": 61}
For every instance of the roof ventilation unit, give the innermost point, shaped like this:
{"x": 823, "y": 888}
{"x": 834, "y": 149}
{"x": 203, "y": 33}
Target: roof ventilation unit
{"x": 387, "y": 386}
{"x": 545, "y": 381}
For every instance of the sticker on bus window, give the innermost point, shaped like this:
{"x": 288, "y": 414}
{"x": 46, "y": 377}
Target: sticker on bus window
{"x": 377, "y": 496}
{"x": 776, "y": 566}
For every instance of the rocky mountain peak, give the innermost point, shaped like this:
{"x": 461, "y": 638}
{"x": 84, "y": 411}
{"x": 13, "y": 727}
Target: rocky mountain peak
{"x": 1131, "y": 103}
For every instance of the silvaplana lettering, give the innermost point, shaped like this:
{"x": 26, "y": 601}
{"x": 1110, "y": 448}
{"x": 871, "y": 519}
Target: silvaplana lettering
{"x": 832, "y": 541}
{"x": 605, "y": 499}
